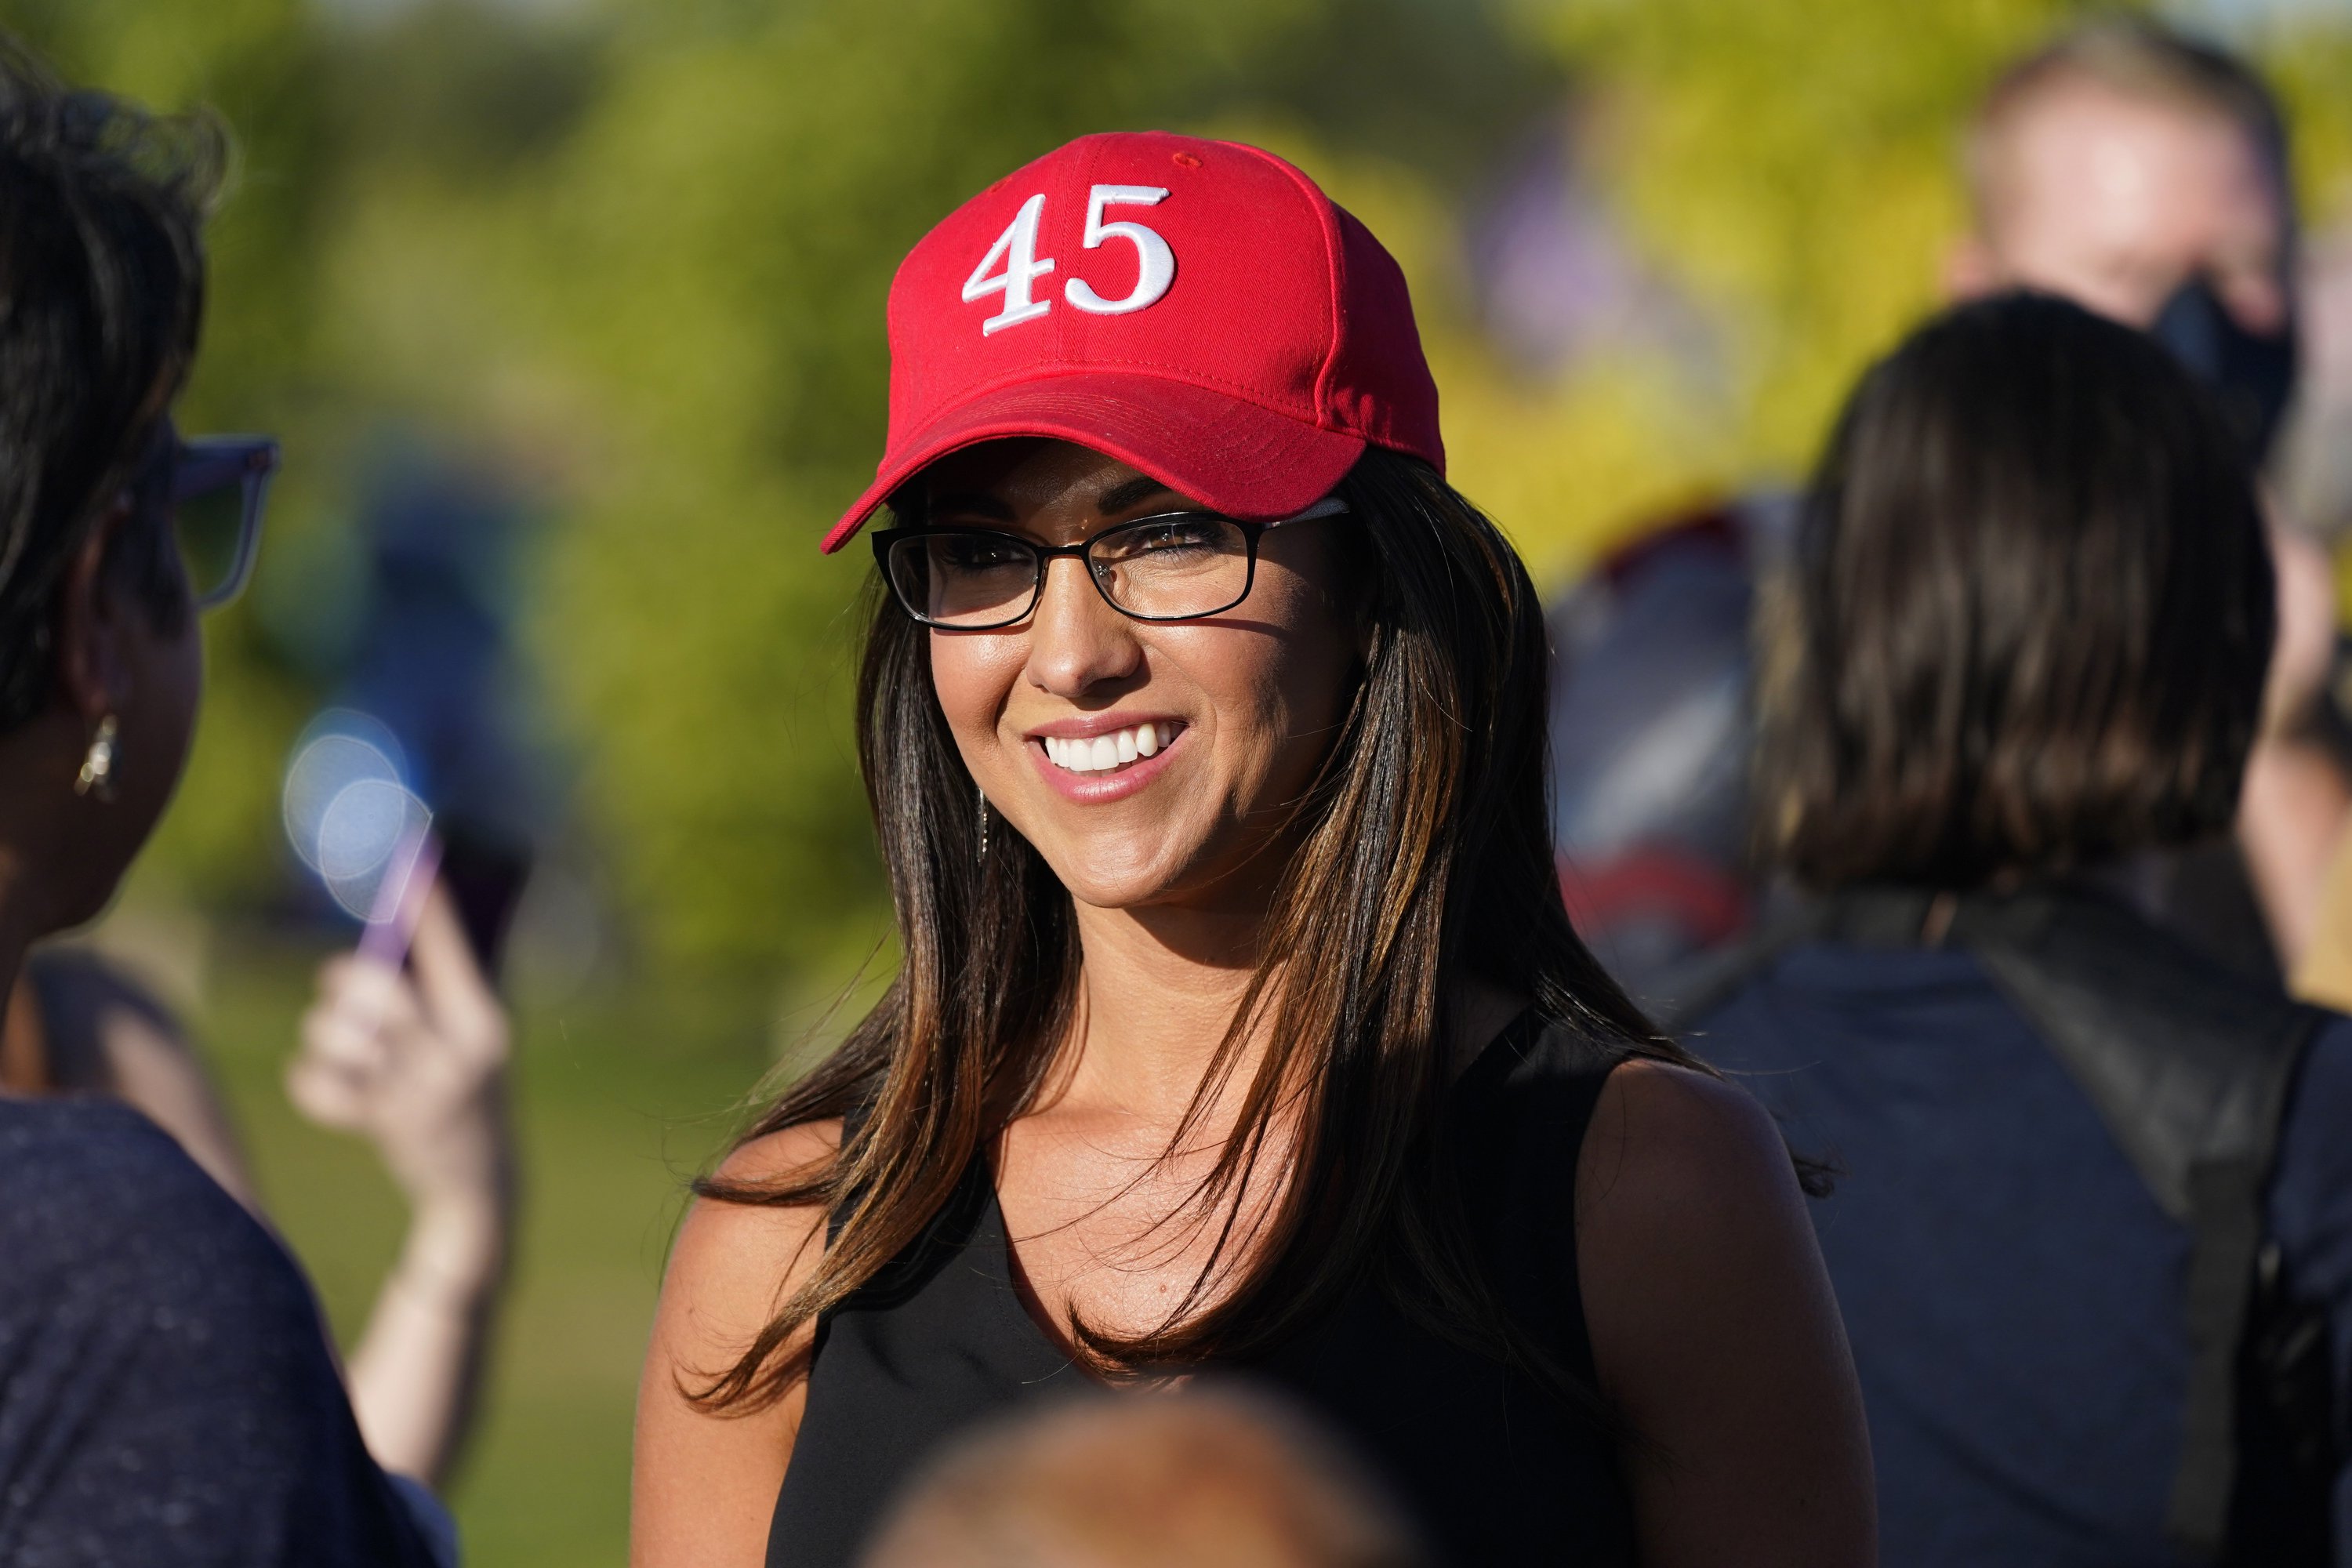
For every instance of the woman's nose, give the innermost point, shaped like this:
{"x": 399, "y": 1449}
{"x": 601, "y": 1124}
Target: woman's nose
{"x": 1076, "y": 641}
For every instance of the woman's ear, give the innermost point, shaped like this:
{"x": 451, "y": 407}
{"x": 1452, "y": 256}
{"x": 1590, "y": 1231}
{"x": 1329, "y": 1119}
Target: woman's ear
{"x": 95, "y": 621}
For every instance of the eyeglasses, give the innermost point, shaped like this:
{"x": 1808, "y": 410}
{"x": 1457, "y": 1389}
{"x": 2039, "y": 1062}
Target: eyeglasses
{"x": 1176, "y": 566}
{"x": 214, "y": 487}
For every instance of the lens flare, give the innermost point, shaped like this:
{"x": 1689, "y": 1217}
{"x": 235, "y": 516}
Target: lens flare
{"x": 348, "y": 807}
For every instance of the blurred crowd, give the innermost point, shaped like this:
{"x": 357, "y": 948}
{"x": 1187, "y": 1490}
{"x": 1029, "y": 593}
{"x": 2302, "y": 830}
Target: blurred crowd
{"x": 2110, "y": 174}
{"x": 1980, "y": 805}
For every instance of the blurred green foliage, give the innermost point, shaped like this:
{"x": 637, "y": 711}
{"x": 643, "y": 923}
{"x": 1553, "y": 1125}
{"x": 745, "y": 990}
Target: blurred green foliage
{"x": 637, "y": 253}
{"x": 740, "y": 201}
{"x": 634, "y": 252}
{"x": 1795, "y": 165}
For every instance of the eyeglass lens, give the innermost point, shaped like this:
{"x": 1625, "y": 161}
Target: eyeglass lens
{"x": 966, "y": 580}
{"x": 218, "y": 490}
{"x": 1169, "y": 568}
{"x": 210, "y": 526}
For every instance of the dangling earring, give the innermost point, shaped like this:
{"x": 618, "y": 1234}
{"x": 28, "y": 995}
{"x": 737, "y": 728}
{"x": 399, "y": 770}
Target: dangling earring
{"x": 97, "y": 777}
{"x": 983, "y": 820}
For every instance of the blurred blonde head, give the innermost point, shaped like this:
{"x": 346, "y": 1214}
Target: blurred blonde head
{"x": 2121, "y": 159}
{"x": 1141, "y": 1482}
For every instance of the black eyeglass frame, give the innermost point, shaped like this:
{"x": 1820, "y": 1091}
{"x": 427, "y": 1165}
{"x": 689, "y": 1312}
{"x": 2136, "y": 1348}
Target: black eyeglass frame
{"x": 884, "y": 538}
{"x": 185, "y": 469}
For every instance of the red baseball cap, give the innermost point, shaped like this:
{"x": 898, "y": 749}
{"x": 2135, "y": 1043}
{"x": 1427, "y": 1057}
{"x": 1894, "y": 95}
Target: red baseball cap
{"x": 1196, "y": 309}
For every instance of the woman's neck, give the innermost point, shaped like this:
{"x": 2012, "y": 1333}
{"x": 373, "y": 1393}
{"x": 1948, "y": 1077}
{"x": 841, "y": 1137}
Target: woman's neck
{"x": 1158, "y": 991}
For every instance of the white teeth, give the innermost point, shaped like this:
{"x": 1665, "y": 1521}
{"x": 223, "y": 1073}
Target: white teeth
{"x": 1102, "y": 753}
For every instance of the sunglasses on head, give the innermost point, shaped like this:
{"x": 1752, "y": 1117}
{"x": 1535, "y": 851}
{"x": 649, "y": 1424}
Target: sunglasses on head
{"x": 213, "y": 489}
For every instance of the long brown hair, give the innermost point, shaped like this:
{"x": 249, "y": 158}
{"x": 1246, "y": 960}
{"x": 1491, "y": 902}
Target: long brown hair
{"x": 1420, "y": 857}
{"x": 2030, "y": 615}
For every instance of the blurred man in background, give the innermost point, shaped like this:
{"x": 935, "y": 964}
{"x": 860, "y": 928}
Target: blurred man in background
{"x": 2146, "y": 176}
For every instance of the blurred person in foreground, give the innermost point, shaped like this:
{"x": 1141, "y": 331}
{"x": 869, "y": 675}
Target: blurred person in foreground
{"x": 2146, "y": 176}
{"x": 1209, "y": 1475}
{"x": 1240, "y": 1024}
{"x": 2093, "y": 1230}
{"x": 168, "y": 1395}
{"x": 416, "y": 1067}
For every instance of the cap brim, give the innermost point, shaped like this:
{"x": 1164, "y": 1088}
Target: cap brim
{"x": 1244, "y": 460}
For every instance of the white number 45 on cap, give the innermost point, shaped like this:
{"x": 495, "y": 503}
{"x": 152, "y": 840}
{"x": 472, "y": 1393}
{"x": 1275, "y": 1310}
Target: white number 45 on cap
{"x": 1016, "y": 249}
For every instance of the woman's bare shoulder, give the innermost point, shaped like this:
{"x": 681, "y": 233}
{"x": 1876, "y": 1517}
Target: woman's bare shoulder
{"x": 1690, "y": 1226}
{"x": 783, "y": 1155}
{"x": 1713, "y": 1327}
{"x": 704, "y": 1485}
{"x": 1675, "y": 1146}
{"x": 730, "y": 1247}
{"x": 734, "y": 1262}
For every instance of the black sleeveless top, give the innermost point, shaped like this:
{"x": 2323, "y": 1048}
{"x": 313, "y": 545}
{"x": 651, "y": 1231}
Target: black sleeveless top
{"x": 1493, "y": 1465}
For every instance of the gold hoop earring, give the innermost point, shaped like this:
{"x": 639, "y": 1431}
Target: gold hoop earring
{"x": 983, "y": 820}
{"x": 96, "y": 779}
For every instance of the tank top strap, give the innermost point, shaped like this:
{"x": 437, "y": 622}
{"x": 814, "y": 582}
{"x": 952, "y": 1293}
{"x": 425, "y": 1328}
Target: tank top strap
{"x": 1532, "y": 1048}
{"x": 1538, "y": 1078}
{"x": 1515, "y": 1123}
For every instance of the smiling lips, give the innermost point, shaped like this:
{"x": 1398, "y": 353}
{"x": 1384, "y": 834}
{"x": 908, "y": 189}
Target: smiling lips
{"x": 1106, "y": 753}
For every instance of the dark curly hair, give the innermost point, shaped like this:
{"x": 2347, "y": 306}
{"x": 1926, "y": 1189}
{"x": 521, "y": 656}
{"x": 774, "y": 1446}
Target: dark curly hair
{"x": 101, "y": 296}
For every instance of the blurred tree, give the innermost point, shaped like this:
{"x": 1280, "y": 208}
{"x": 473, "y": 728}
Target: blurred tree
{"x": 324, "y": 114}
{"x": 1795, "y": 167}
{"x": 727, "y": 222}
{"x": 638, "y": 252}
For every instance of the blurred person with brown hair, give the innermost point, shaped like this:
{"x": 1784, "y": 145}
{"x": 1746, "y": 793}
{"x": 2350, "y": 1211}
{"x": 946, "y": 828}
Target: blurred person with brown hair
{"x": 2093, "y": 1232}
{"x": 1209, "y": 1475}
{"x": 1239, "y": 1025}
{"x": 168, "y": 1395}
{"x": 2148, "y": 177}
{"x": 2145, "y": 175}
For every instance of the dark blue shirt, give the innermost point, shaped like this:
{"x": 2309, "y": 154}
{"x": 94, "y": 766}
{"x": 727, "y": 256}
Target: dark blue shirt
{"x": 2012, "y": 1292}
{"x": 167, "y": 1398}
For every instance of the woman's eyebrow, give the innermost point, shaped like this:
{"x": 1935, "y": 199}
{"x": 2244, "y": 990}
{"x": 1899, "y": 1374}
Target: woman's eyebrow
{"x": 1119, "y": 498}
{"x": 970, "y": 503}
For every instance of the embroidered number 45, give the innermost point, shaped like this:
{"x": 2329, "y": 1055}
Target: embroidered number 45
{"x": 1155, "y": 264}
{"x": 1015, "y": 252}
{"x": 1017, "y": 248}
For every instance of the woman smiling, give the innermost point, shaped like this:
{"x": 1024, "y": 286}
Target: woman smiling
{"x": 1239, "y": 1026}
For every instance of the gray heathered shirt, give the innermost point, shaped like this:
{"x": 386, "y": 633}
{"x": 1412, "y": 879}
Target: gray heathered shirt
{"x": 166, "y": 1394}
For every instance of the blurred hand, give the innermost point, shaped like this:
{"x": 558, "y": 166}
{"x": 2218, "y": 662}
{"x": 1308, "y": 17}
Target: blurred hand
{"x": 417, "y": 1065}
